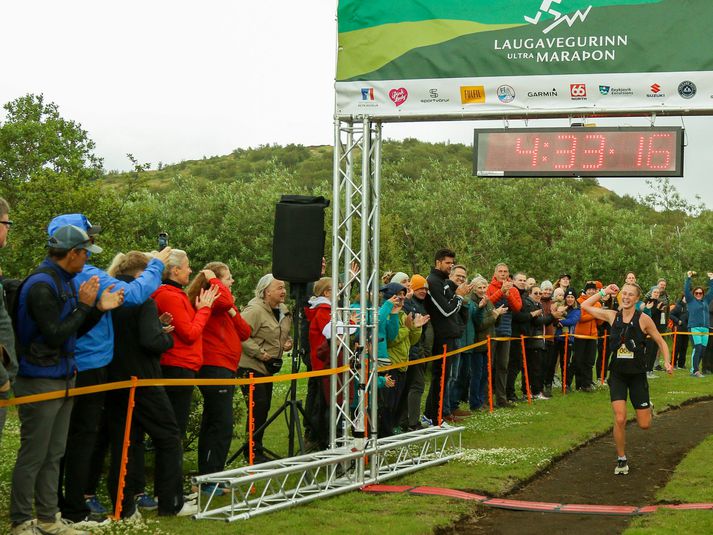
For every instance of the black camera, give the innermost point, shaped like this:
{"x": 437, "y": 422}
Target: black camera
{"x": 162, "y": 240}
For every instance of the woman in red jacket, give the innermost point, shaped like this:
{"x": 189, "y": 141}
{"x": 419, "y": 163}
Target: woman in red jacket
{"x": 185, "y": 358}
{"x": 222, "y": 347}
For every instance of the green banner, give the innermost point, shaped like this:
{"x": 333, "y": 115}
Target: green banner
{"x": 411, "y": 40}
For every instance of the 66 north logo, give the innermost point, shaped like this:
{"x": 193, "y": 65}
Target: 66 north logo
{"x": 578, "y": 91}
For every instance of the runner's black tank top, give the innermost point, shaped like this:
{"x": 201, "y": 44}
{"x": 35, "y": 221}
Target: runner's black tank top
{"x": 627, "y": 342}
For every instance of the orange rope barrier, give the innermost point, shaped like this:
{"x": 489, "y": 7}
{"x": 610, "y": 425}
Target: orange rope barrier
{"x": 524, "y": 370}
{"x": 443, "y": 385}
{"x": 118, "y": 385}
{"x": 125, "y": 451}
{"x": 490, "y": 375}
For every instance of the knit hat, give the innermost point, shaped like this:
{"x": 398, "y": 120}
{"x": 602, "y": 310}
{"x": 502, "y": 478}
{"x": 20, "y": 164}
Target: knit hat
{"x": 399, "y": 277}
{"x": 546, "y": 285}
{"x": 418, "y": 282}
{"x": 569, "y": 291}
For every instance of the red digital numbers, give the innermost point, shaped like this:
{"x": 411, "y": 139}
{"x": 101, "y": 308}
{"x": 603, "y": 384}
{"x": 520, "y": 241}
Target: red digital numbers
{"x": 534, "y": 151}
{"x": 656, "y": 158}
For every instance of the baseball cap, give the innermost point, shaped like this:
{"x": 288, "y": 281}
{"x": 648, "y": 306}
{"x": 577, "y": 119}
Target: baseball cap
{"x": 78, "y": 220}
{"x": 72, "y": 237}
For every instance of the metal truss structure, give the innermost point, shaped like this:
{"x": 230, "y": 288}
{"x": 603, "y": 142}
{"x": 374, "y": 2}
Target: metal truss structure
{"x": 276, "y": 485}
{"x": 356, "y": 456}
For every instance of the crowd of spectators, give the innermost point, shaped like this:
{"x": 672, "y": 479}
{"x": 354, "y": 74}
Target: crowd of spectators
{"x": 71, "y": 324}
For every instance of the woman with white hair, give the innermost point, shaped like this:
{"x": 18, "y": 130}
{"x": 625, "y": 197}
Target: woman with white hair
{"x": 185, "y": 358}
{"x": 270, "y": 322}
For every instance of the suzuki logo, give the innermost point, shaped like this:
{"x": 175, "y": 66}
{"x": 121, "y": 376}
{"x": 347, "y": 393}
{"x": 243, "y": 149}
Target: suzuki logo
{"x": 655, "y": 88}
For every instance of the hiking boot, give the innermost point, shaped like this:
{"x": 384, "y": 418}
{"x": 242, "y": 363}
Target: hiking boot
{"x": 547, "y": 391}
{"x": 622, "y": 467}
{"x": 461, "y": 412}
{"x": 29, "y": 527}
{"x": 60, "y": 526}
{"x": 95, "y": 506}
{"x": 452, "y": 419}
{"x": 145, "y": 502}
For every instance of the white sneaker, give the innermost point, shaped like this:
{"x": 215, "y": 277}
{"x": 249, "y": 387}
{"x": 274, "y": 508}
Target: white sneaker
{"x": 60, "y": 526}
{"x": 189, "y": 508}
{"x": 135, "y": 518}
{"x": 541, "y": 396}
{"x": 28, "y": 527}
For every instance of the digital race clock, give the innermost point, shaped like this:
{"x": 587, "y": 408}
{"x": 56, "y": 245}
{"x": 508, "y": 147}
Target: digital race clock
{"x": 578, "y": 151}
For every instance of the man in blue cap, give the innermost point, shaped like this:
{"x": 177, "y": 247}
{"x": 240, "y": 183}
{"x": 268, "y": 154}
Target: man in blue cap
{"x": 52, "y": 313}
{"x": 93, "y": 353}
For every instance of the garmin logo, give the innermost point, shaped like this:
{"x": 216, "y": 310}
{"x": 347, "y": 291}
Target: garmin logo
{"x": 537, "y": 94}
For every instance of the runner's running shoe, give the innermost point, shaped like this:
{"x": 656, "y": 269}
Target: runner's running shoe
{"x": 622, "y": 467}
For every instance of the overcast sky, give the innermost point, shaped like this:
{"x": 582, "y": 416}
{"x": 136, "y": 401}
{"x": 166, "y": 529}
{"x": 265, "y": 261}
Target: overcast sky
{"x": 176, "y": 80}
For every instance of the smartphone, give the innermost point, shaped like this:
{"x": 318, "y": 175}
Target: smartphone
{"x": 162, "y": 240}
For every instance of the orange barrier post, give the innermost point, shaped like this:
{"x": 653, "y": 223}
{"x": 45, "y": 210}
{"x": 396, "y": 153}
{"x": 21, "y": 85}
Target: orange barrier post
{"x": 251, "y": 422}
{"x": 673, "y": 348}
{"x": 490, "y": 375}
{"x": 604, "y": 357}
{"x": 443, "y": 385}
{"x": 566, "y": 358}
{"x": 524, "y": 369}
{"x": 125, "y": 450}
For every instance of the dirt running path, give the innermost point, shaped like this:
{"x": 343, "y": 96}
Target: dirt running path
{"x": 587, "y": 477}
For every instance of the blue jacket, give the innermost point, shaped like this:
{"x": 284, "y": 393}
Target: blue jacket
{"x": 56, "y": 353}
{"x": 96, "y": 348}
{"x": 388, "y": 329}
{"x": 569, "y": 322}
{"x": 698, "y": 311}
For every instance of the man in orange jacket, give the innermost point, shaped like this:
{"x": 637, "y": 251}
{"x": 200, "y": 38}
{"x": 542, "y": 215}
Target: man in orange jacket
{"x": 585, "y": 349}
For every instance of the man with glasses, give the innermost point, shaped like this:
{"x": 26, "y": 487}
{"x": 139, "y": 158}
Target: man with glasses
{"x": 698, "y": 317}
{"x": 8, "y": 362}
{"x": 51, "y": 314}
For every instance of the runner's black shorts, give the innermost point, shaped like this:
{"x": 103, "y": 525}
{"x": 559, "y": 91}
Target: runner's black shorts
{"x": 633, "y": 384}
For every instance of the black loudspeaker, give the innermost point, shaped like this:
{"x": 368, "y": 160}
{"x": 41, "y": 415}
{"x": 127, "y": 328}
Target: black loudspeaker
{"x": 298, "y": 240}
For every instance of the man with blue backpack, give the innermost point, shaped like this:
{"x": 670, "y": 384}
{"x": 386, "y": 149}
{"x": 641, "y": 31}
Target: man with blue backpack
{"x": 50, "y": 314}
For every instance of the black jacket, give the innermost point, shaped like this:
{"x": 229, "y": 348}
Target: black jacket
{"x": 139, "y": 341}
{"x": 534, "y": 326}
{"x": 443, "y": 305}
{"x": 679, "y": 316}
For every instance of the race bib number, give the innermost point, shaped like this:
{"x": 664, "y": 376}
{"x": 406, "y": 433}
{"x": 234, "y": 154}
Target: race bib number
{"x": 624, "y": 353}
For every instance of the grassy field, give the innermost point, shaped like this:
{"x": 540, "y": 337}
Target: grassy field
{"x": 501, "y": 450}
{"x": 691, "y": 483}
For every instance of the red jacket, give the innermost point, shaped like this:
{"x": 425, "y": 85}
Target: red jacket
{"x": 223, "y": 334}
{"x": 318, "y": 317}
{"x": 187, "y": 350}
{"x": 495, "y": 294}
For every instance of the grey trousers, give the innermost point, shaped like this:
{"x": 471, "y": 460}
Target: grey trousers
{"x": 43, "y": 437}
{"x": 501, "y": 356}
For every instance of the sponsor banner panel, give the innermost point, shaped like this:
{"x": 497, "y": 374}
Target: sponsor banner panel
{"x": 503, "y": 96}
